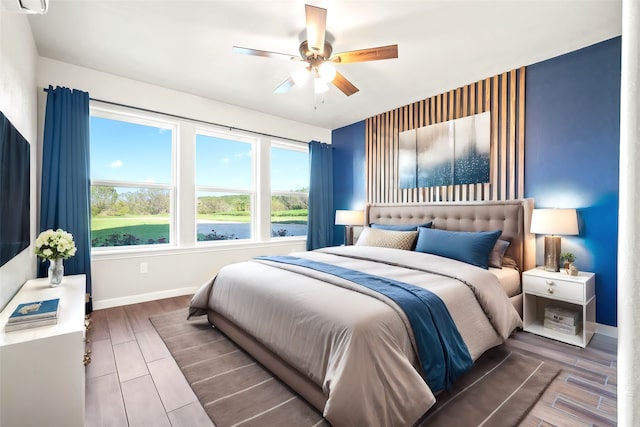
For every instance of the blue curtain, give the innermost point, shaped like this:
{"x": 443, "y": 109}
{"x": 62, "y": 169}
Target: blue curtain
{"x": 320, "y": 226}
{"x": 64, "y": 197}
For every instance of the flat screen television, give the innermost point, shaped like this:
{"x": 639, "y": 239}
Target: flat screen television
{"x": 14, "y": 191}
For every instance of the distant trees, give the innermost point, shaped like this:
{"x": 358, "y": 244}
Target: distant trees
{"x": 146, "y": 201}
{"x": 240, "y": 204}
{"x": 230, "y": 203}
{"x": 105, "y": 200}
{"x": 289, "y": 202}
{"x": 102, "y": 199}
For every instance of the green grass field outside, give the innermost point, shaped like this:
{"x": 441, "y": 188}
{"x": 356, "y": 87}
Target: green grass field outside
{"x": 106, "y": 222}
{"x": 144, "y": 228}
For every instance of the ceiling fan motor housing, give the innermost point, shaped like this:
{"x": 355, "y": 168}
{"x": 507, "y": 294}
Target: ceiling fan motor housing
{"x": 315, "y": 57}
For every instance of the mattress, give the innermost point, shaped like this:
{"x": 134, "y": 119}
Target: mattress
{"x": 509, "y": 279}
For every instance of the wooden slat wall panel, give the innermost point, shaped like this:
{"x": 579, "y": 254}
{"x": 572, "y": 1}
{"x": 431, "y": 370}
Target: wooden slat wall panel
{"x": 503, "y": 133}
{"x": 502, "y": 94}
{"x": 521, "y": 75}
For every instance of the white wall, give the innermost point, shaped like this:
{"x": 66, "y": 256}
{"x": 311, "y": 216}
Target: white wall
{"x": 116, "y": 277}
{"x": 18, "y": 59}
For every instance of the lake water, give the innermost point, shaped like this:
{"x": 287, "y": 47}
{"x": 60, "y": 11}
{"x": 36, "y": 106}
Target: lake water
{"x": 242, "y": 230}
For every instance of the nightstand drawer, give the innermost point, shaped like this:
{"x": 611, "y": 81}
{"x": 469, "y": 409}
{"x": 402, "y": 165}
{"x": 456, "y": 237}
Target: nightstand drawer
{"x": 554, "y": 288}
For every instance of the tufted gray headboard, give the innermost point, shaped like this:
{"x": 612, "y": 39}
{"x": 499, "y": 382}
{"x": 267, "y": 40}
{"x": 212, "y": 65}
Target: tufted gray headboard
{"x": 511, "y": 216}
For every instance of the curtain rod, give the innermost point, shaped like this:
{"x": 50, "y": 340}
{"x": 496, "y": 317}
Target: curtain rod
{"x": 176, "y": 116}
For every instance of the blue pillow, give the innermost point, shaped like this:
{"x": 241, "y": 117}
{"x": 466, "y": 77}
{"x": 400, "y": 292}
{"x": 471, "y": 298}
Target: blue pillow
{"x": 400, "y": 227}
{"x": 470, "y": 247}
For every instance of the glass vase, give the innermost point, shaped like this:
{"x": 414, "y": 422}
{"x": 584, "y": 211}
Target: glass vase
{"x": 55, "y": 272}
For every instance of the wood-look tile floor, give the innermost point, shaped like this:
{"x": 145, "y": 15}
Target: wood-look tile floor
{"x": 132, "y": 379}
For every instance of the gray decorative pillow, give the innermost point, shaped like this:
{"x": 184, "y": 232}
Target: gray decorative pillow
{"x": 497, "y": 254}
{"x": 387, "y": 238}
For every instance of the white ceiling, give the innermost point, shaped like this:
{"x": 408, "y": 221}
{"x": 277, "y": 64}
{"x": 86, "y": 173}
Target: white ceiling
{"x": 186, "y": 46}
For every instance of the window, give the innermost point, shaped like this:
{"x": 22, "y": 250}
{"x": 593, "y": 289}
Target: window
{"x": 162, "y": 182}
{"x": 289, "y": 189}
{"x": 225, "y": 190}
{"x": 132, "y": 184}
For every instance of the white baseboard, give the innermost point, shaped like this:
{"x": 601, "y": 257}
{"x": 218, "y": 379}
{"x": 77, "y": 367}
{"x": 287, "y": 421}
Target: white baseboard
{"x": 610, "y": 331}
{"x": 134, "y": 299}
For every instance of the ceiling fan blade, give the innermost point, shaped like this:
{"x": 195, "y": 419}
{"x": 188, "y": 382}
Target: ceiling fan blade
{"x": 344, "y": 85}
{"x": 316, "y": 27}
{"x": 264, "y": 53}
{"x": 372, "y": 54}
{"x": 285, "y": 86}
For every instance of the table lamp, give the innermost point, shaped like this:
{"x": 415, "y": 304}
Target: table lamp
{"x": 553, "y": 222}
{"x": 349, "y": 218}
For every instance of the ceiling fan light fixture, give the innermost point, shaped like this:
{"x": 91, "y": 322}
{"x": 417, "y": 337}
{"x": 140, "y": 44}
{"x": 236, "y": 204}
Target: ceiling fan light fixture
{"x": 319, "y": 85}
{"x": 327, "y": 72}
{"x": 317, "y": 53}
{"x": 300, "y": 76}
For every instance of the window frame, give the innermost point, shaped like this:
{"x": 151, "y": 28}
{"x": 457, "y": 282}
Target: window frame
{"x": 156, "y": 121}
{"x": 292, "y": 146}
{"x": 252, "y": 191}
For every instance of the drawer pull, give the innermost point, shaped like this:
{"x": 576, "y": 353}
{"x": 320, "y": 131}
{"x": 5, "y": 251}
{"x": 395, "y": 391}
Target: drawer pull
{"x": 86, "y": 358}
{"x": 549, "y": 282}
{"x": 550, "y": 290}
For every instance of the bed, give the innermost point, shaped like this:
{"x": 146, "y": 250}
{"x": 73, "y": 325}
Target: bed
{"x": 350, "y": 351}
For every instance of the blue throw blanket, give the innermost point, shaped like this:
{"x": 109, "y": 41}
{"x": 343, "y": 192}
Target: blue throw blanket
{"x": 442, "y": 353}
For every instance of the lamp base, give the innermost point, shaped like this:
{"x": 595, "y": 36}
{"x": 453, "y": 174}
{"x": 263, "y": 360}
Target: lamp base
{"x": 348, "y": 235}
{"x": 552, "y": 253}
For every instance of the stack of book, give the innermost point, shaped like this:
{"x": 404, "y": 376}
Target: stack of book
{"x": 34, "y": 314}
{"x": 563, "y": 320}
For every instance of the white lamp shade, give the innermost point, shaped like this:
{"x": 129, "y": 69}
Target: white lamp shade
{"x": 319, "y": 86}
{"x": 327, "y": 72}
{"x": 345, "y": 217}
{"x": 300, "y": 76}
{"x": 554, "y": 221}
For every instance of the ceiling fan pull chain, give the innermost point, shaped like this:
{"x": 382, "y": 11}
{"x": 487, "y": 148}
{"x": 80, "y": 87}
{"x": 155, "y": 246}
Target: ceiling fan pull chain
{"x": 315, "y": 100}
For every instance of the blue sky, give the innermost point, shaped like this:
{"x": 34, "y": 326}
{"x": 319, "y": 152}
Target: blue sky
{"x": 133, "y": 152}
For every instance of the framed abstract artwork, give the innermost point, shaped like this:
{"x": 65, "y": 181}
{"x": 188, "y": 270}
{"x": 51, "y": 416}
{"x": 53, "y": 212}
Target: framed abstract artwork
{"x": 454, "y": 152}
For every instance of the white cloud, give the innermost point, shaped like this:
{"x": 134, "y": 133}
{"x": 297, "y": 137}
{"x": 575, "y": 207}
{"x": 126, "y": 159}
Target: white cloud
{"x": 116, "y": 164}
{"x": 226, "y": 160}
{"x": 149, "y": 180}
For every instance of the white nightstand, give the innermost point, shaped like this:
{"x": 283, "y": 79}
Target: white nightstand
{"x": 542, "y": 288}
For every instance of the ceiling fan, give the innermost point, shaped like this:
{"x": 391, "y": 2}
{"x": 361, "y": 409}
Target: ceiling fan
{"x": 317, "y": 53}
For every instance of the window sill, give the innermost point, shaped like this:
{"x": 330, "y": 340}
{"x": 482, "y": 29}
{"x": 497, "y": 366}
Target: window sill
{"x": 147, "y": 251}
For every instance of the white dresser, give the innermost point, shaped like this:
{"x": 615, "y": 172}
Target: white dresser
{"x": 42, "y": 375}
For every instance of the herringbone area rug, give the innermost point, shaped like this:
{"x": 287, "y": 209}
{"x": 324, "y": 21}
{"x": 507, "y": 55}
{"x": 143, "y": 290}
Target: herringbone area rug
{"x": 235, "y": 390}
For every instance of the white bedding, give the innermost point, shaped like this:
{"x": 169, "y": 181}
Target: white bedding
{"x": 355, "y": 345}
{"x": 509, "y": 279}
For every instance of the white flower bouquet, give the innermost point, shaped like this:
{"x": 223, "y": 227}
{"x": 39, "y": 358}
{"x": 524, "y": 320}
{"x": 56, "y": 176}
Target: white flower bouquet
{"x": 56, "y": 244}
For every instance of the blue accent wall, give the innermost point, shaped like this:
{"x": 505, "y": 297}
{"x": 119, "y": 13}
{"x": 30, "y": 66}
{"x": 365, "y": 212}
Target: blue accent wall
{"x": 349, "y": 187}
{"x": 572, "y": 147}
